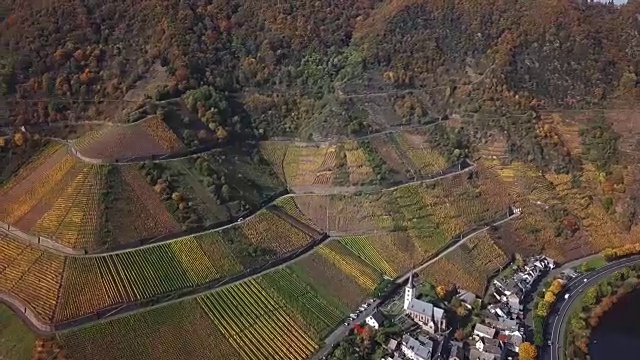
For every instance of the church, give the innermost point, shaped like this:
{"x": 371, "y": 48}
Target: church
{"x": 430, "y": 317}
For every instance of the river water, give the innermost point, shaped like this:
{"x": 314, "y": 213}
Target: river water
{"x": 617, "y": 336}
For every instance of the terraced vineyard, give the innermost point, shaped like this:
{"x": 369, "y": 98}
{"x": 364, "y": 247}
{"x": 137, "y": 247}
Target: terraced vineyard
{"x": 40, "y": 187}
{"x": 38, "y": 277}
{"x": 318, "y": 315}
{"x": 31, "y": 274}
{"x": 431, "y": 213}
{"x": 155, "y": 334}
{"x": 469, "y": 265}
{"x": 361, "y": 246}
{"x": 275, "y": 152}
{"x": 288, "y": 204}
{"x": 81, "y": 205}
{"x": 121, "y": 142}
{"x": 142, "y": 274}
{"x": 269, "y": 317}
{"x": 73, "y": 220}
{"x": 280, "y": 315}
{"x": 269, "y": 231}
{"x": 392, "y": 253}
{"x": 357, "y": 165}
{"x": 426, "y": 160}
{"x": 338, "y": 274}
{"x": 257, "y": 324}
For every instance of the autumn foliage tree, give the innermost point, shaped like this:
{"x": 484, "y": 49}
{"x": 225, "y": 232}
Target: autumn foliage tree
{"x": 544, "y": 306}
{"x": 527, "y": 351}
{"x": 612, "y": 254}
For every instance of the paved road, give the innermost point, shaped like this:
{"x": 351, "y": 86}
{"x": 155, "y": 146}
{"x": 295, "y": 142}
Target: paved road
{"x": 556, "y": 322}
{"x": 29, "y": 317}
{"x": 342, "y": 330}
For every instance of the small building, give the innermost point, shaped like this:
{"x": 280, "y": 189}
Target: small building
{"x": 375, "y": 320}
{"x": 502, "y": 323}
{"x": 511, "y": 340}
{"x": 476, "y": 354}
{"x": 457, "y": 351}
{"x": 484, "y": 331}
{"x": 487, "y": 345}
{"x": 417, "y": 349}
{"x": 392, "y": 345}
{"x": 467, "y": 298}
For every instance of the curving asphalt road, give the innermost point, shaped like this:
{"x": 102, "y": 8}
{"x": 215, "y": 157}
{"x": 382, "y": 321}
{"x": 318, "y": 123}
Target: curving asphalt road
{"x": 559, "y": 315}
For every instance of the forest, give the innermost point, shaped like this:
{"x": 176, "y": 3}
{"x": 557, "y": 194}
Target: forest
{"x": 251, "y": 70}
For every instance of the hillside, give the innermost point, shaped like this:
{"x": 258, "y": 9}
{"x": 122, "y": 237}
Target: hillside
{"x": 278, "y": 162}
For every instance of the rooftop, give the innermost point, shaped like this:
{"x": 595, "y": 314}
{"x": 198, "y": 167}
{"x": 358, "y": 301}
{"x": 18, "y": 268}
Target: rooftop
{"x": 377, "y": 316}
{"x": 425, "y": 308}
{"x": 475, "y": 354}
{"x": 393, "y": 343}
{"x": 485, "y": 330}
{"x": 421, "y": 349}
{"x": 466, "y": 297}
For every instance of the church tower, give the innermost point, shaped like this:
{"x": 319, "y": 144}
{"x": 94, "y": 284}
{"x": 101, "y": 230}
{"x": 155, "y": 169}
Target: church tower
{"x": 408, "y": 291}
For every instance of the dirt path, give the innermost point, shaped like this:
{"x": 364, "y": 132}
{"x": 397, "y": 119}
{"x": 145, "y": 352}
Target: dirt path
{"x": 53, "y": 247}
{"x": 27, "y": 315}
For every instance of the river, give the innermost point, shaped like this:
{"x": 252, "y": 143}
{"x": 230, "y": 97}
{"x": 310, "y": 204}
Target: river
{"x": 617, "y": 336}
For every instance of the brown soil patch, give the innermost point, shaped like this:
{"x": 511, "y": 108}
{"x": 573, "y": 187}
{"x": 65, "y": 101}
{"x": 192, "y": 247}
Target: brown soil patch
{"x": 122, "y": 143}
{"x": 29, "y": 220}
{"x": 26, "y": 181}
{"x": 138, "y": 212}
{"x": 324, "y": 274}
{"x": 389, "y": 155}
{"x": 336, "y": 213}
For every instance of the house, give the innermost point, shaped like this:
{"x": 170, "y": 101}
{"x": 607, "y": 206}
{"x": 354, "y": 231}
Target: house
{"x": 489, "y": 345}
{"x": 430, "y": 317}
{"x": 484, "y": 331}
{"x": 513, "y": 289}
{"x": 511, "y": 339}
{"x": 392, "y": 345}
{"x": 375, "y": 320}
{"x": 487, "y": 349}
{"x": 467, "y": 298}
{"x": 417, "y": 349}
{"x": 501, "y": 323}
{"x": 475, "y": 354}
{"x": 457, "y": 351}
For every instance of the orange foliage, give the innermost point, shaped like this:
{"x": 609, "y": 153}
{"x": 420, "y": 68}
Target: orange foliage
{"x": 631, "y": 249}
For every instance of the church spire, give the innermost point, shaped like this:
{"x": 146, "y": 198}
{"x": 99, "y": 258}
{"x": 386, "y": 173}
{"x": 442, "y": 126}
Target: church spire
{"x": 408, "y": 291}
{"x": 410, "y": 283}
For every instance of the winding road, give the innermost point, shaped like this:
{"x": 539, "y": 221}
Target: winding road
{"x": 557, "y": 321}
{"x": 55, "y": 247}
{"x": 27, "y": 314}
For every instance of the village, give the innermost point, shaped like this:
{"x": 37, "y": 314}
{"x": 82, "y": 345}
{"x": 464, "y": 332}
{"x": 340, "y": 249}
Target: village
{"x": 423, "y": 322}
